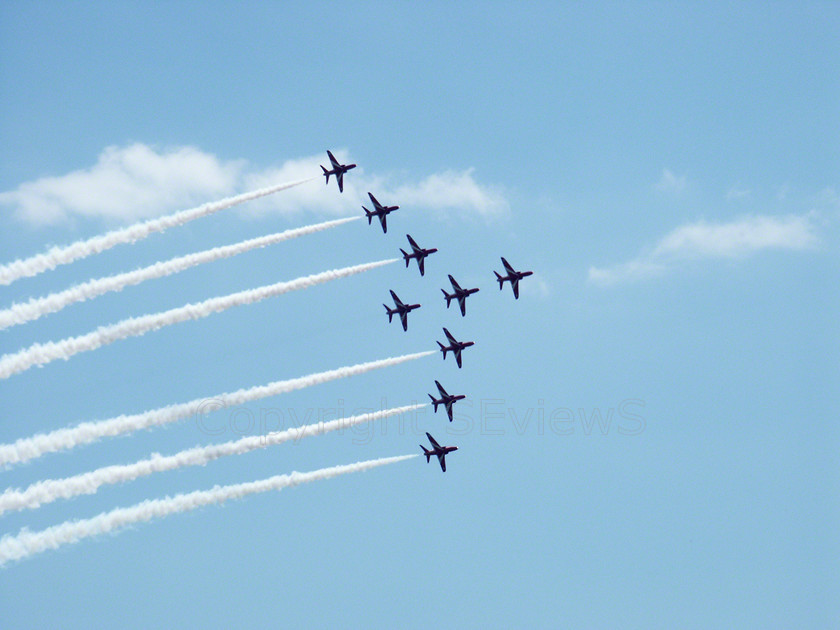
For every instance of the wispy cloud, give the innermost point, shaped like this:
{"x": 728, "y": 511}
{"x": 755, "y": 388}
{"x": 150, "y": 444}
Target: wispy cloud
{"x": 537, "y": 286}
{"x": 737, "y": 238}
{"x": 139, "y": 181}
{"x": 704, "y": 240}
{"x": 445, "y": 193}
{"x": 132, "y": 182}
{"x": 828, "y": 198}
{"x": 737, "y": 193}
{"x": 638, "y": 269}
{"x": 670, "y": 183}
{"x": 64, "y": 254}
{"x": 454, "y": 191}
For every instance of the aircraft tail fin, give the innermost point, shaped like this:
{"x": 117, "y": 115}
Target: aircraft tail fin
{"x": 326, "y": 173}
{"x": 442, "y": 349}
{"x": 368, "y": 214}
{"x": 406, "y": 256}
{"x": 447, "y": 296}
{"x": 390, "y": 312}
{"x": 427, "y": 453}
{"x": 435, "y": 403}
{"x": 500, "y": 279}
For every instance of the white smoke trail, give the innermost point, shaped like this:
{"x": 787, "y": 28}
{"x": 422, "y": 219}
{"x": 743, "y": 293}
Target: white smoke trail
{"x": 27, "y": 543}
{"x": 29, "y": 448}
{"x": 49, "y": 490}
{"x": 38, "y": 307}
{"x": 41, "y": 353}
{"x": 61, "y": 255}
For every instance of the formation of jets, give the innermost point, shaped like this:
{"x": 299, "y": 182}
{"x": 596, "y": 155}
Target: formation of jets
{"x": 458, "y": 293}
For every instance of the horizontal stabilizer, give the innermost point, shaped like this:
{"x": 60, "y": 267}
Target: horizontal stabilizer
{"x": 500, "y": 279}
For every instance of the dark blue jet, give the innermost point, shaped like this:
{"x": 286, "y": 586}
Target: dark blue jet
{"x": 447, "y": 400}
{"x": 418, "y": 253}
{"x": 379, "y": 211}
{"x": 454, "y": 346}
{"x": 459, "y": 294}
{"x": 437, "y": 450}
{"x": 338, "y": 170}
{"x": 512, "y": 276}
{"x": 400, "y": 309}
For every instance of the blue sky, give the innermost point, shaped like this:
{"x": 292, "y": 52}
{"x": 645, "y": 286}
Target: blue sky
{"x": 670, "y": 172}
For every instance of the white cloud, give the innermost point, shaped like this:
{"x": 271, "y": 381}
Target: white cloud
{"x": 314, "y": 198}
{"x": 632, "y": 270}
{"x": 454, "y": 191}
{"x": 737, "y": 238}
{"x": 137, "y": 181}
{"x": 670, "y": 183}
{"x": 736, "y": 193}
{"x": 703, "y": 240}
{"x": 445, "y": 193}
{"x": 131, "y": 182}
{"x": 536, "y": 286}
{"x": 828, "y": 197}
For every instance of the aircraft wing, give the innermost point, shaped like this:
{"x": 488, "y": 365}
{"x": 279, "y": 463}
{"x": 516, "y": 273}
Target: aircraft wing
{"x": 442, "y": 460}
{"x": 421, "y": 262}
{"x": 383, "y": 219}
{"x": 397, "y": 301}
{"x": 449, "y": 410}
{"x": 404, "y": 319}
{"x": 458, "y": 357}
{"x": 455, "y": 285}
{"x": 449, "y": 336}
{"x": 441, "y": 390}
{"x": 508, "y": 268}
{"x": 432, "y": 440}
{"x": 515, "y": 285}
{"x": 414, "y": 245}
{"x": 340, "y": 177}
{"x": 332, "y": 159}
{"x": 462, "y": 302}
{"x": 375, "y": 203}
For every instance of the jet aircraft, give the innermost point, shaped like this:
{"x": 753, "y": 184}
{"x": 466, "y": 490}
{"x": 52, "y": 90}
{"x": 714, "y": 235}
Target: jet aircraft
{"x": 460, "y": 294}
{"x": 338, "y": 170}
{"x": 512, "y": 276}
{"x": 447, "y": 400}
{"x": 454, "y": 346}
{"x": 437, "y": 450}
{"x": 379, "y": 211}
{"x": 400, "y": 309}
{"x": 418, "y": 253}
